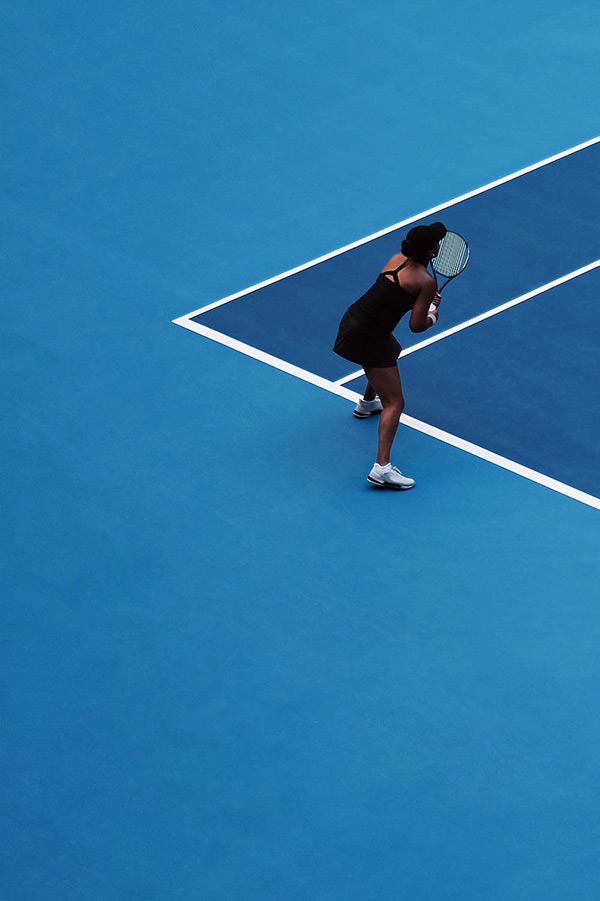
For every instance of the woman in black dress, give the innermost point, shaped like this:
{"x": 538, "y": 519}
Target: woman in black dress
{"x": 365, "y": 337}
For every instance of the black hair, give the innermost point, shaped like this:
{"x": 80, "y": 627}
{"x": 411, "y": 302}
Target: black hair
{"x": 422, "y": 238}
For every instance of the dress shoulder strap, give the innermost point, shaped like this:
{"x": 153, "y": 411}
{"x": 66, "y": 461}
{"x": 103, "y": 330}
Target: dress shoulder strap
{"x": 395, "y": 272}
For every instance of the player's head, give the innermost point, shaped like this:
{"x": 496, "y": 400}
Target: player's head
{"x": 422, "y": 241}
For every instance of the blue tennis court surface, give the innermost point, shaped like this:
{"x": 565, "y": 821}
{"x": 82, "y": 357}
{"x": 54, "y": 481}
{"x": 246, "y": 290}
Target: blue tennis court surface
{"x": 485, "y": 384}
{"x": 231, "y": 670}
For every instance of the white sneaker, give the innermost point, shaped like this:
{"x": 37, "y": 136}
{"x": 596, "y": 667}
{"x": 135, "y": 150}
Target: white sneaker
{"x": 366, "y": 408}
{"x": 389, "y": 477}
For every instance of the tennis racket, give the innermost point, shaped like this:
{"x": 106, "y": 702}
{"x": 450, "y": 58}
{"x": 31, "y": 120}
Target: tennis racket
{"x": 452, "y": 257}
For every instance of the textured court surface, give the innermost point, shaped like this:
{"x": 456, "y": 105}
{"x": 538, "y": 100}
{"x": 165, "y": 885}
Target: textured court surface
{"x": 231, "y": 671}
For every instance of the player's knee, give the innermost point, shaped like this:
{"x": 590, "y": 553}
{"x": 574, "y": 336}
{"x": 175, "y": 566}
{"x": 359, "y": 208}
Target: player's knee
{"x": 399, "y": 401}
{"x": 396, "y": 404}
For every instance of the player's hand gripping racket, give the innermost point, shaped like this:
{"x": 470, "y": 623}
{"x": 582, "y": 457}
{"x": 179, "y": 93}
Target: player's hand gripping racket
{"x": 451, "y": 259}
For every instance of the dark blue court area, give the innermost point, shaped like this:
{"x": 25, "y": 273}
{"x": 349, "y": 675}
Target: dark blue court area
{"x": 522, "y": 234}
{"x": 523, "y": 384}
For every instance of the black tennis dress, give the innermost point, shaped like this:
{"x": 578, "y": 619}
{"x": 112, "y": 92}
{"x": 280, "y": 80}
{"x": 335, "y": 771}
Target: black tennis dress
{"x": 365, "y": 332}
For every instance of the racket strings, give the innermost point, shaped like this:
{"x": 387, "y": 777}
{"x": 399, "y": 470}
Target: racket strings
{"x": 453, "y": 256}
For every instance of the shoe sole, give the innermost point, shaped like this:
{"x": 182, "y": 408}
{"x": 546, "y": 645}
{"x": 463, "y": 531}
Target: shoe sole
{"x": 389, "y": 485}
{"x": 366, "y": 415}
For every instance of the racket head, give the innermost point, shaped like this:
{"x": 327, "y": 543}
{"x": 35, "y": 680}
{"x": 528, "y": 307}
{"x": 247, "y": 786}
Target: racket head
{"x": 452, "y": 256}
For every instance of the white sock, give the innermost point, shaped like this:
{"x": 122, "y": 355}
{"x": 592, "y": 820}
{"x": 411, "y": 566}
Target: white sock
{"x": 385, "y": 468}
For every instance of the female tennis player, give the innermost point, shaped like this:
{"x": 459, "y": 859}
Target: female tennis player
{"x": 365, "y": 337}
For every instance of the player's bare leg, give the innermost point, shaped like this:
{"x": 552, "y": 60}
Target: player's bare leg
{"x": 386, "y": 383}
{"x": 369, "y": 392}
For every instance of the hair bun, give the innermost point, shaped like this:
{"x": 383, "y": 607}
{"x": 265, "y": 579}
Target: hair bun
{"x": 408, "y": 248}
{"x": 437, "y": 230}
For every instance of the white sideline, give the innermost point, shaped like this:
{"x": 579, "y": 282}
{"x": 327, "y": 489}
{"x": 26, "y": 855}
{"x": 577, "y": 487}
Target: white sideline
{"x": 425, "y": 428}
{"x": 391, "y": 228}
{"x": 463, "y": 325}
{"x": 503, "y": 462}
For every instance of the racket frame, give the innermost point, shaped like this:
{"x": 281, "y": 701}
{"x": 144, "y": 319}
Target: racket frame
{"x": 462, "y": 269}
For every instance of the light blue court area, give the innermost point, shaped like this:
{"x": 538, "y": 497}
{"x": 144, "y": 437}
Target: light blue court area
{"x": 231, "y": 671}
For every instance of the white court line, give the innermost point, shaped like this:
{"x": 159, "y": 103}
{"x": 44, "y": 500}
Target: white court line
{"x": 269, "y": 359}
{"x": 463, "y": 325}
{"x": 503, "y": 462}
{"x": 425, "y": 428}
{"x": 391, "y": 228}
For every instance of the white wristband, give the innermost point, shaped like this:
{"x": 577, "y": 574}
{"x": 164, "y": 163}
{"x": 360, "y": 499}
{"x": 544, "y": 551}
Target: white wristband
{"x": 432, "y": 317}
